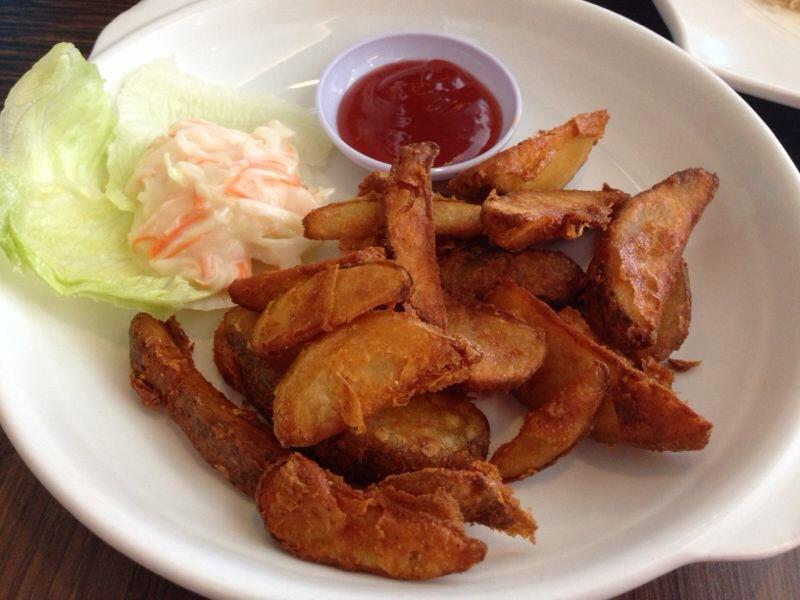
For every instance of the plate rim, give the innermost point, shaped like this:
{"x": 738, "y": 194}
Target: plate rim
{"x": 74, "y": 500}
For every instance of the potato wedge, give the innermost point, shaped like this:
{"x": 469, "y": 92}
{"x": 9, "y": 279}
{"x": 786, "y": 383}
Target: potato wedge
{"x": 328, "y": 300}
{"x": 545, "y": 161}
{"x": 638, "y": 258}
{"x": 674, "y": 326}
{"x": 409, "y": 228}
{"x": 256, "y": 292}
{"x": 479, "y": 491}
{"x": 432, "y": 430}
{"x": 230, "y": 439}
{"x": 363, "y": 218}
{"x": 521, "y": 219}
{"x": 344, "y": 377}
{"x": 511, "y": 350}
{"x": 553, "y": 428}
{"x": 318, "y": 517}
{"x": 637, "y": 411}
{"x": 469, "y": 273}
{"x": 254, "y": 376}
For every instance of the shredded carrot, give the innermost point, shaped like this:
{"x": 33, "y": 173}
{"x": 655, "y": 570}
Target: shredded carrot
{"x": 174, "y": 231}
{"x": 142, "y": 238}
{"x": 243, "y": 266}
{"x": 184, "y": 245}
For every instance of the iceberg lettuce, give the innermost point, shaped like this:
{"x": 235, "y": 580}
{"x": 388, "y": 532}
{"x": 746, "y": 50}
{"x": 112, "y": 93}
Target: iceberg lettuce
{"x": 57, "y": 128}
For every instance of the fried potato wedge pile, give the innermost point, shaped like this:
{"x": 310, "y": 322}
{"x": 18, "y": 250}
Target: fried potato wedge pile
{"x": 372, "y": 366}
{"x": 432, "y": 430}
{"x": 637, "y": 410}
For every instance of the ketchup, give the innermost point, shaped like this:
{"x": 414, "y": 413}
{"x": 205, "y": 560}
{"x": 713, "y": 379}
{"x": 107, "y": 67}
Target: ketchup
{"x": 417, "y": 101}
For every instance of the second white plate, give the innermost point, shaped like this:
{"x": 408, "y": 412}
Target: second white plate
{"x": 752, "y": 44}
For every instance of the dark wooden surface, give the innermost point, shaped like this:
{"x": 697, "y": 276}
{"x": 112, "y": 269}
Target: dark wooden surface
{"x": 46, "y": 553}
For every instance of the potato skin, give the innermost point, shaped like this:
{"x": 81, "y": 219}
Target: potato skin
{"x": 674, "y": 326}
{"x": 231, "y": 440}
{"x": 317, "y": 517}
{"x": 638, "y": 258}
{"x": 545, "y": 161}
{"x": 469, "y": 273}
{"x": 432, "y": 430}
{"x": 253, "y": 375}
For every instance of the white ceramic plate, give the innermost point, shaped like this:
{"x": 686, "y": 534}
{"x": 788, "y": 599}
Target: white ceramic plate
{"x": 610, "y": 518}
{"x": 752, "y": 44}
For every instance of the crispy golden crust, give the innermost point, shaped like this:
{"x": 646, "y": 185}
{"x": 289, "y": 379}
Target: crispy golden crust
{"x": 479, "y": 491}
{"x": 574, "y": 319}
{"x": 230, "y": 439}
{"x": 638, "y": 258}
{"x": 554, "y": 427}
{"x": 521, "y": 219}
{"x": 674, "y": 326}
{"x": 245, "y": 371}
{"x": 375, "y": 182}
{"x": 225, "y": 359}
{"x": 511, "y": 350}
{"x": 469, "y": 273}
{"x": 545, "y": 161}
{"x": 432, "y": 430}
{"x": 349, "y": 245}
{"x": 256, "y": 292}
{"x": 409, "y": 228}
{"x": 317, "y": 517}
{"x": 328, "y": 300}
{"x": 344, "y": 377}
{"x": 363, "y": 218}
{"x": 637, "y": 411}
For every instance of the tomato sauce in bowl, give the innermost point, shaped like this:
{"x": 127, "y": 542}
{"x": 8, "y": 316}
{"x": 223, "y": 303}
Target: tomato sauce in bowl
{"x": 420, "y": 100}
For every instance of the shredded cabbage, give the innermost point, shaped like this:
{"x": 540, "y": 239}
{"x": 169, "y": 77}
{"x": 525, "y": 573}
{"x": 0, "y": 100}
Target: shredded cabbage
{"x": 155, "y": 96}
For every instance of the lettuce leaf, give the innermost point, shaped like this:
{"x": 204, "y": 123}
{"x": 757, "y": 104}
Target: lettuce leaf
{"x": 156, "y": 95}
{"x": 54, "y": 217}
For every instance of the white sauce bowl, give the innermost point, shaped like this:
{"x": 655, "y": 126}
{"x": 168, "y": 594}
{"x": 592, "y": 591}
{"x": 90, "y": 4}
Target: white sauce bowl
{"x": 358, "y": 60}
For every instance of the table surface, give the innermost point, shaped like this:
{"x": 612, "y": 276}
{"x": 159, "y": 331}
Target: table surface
{"x": 45, "y": 552}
